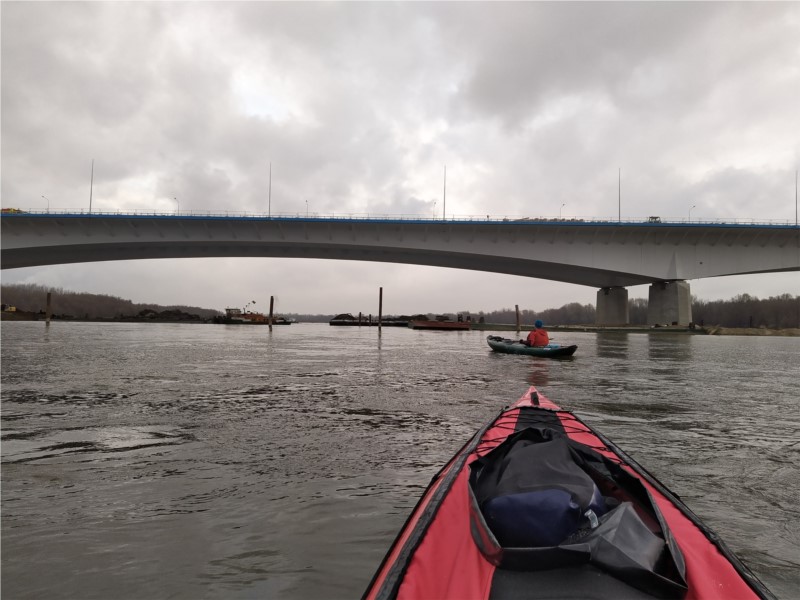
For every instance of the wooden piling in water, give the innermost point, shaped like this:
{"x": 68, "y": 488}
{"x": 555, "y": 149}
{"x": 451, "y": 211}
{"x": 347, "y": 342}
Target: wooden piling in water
{"x": 271, "y": 305}
{"x": 48, "y": 310}
{"x": 516, "y": 306}
{"x": 380, "y": 308}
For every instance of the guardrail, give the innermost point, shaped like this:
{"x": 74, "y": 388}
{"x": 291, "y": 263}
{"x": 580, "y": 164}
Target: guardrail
{"x": 395, "y": 217}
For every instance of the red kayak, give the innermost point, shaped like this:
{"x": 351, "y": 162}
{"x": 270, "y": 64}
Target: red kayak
{"x": 538, "y": 505}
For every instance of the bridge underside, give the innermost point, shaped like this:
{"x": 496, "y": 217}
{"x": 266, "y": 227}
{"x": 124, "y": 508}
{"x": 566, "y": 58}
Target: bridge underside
{"x": 566, "y": 273}
{"x": 604, "y": 255}
{"x": 669, "y": 301}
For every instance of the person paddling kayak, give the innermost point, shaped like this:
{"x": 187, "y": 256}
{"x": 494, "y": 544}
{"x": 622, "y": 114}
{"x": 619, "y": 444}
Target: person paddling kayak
{"x": 538, "y": 337}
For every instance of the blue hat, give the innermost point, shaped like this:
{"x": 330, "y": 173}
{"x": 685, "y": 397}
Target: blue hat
{"x": 538, "y": 323}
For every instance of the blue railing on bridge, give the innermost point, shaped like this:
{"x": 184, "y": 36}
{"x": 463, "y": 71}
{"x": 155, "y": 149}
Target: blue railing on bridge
{"x": 392, "y": 218}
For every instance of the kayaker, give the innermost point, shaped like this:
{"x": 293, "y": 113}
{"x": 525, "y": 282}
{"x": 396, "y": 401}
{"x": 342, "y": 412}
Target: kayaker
{"x": 538, "y": 337}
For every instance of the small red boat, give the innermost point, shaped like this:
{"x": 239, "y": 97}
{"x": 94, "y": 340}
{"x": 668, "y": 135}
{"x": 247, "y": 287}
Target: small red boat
{"x": 538, "y": 505}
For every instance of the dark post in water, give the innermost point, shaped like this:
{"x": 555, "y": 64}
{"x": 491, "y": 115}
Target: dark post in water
{"x": 380, "y": 308}
{"x": 47, "y": 310}
{"x": 271, "y": 304}
{"x": 516, "y": 306}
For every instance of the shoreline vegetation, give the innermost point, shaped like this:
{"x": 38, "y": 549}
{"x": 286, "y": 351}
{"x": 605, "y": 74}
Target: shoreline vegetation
{"x": 743, "y": 315}
{"x": 697, "y": 330}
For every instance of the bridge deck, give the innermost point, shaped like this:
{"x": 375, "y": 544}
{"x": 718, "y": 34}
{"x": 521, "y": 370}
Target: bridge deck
{"x": 587, "y": 252}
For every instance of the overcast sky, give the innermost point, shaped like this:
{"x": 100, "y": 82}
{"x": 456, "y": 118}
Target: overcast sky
{"x": 358, "y": 107}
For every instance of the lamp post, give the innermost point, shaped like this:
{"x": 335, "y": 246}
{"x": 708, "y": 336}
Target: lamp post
{"x": 559, "y": 210}
{"x": 179, "y": 205}
{"x": 434, "y": 209}
{"x": 48, "y": 202}
{"x": 444, "y": 195}
{"x": 306, "y": 209}
{"x": 91, "y": 186}
{"x": 690, "y": 212}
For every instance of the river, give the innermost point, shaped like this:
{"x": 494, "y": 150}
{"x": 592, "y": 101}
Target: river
{"x": 186, "y": 461}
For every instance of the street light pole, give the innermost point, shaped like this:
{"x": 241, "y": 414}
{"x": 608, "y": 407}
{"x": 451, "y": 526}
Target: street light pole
{"x": 179, "y": 206}
{"x": 690, "y": 213}
{"x": 444, "y": 195}
{"x": 559, "y": 210}
{"x": 91, "y": 187}
{"x": 48, "y": 202}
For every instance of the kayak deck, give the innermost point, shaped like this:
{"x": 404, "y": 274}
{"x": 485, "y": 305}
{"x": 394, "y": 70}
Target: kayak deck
{"x": 435, "y": 554}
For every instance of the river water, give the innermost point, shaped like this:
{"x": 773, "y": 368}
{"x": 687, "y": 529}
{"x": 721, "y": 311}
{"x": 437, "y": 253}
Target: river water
{"x": 187, "y": 461}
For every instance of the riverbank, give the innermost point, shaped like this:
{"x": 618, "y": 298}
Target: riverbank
{"x": 751, "y": 331}
{"x": 177, "y": 317}
{"x": 707, "y": 330}
{"x": 145, "y": 317}
{"x": 588, "y": 328}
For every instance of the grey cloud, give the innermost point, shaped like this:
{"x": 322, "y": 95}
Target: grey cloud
{"x": 358, "y": 106}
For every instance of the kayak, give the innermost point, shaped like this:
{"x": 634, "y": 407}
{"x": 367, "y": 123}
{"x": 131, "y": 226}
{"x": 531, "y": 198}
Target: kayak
{"x": 539, "y": 505}
{"x": 499, "y": 344}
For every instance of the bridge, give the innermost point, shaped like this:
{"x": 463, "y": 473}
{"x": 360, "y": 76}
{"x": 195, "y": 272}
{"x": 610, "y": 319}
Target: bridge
{"x": 606, "y": 255}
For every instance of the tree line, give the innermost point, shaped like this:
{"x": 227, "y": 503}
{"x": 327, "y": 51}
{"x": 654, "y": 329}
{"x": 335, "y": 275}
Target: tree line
{"x": 743, "y": 310}
{"x": 569, "y": 314}
{"x": 30, "y": 297}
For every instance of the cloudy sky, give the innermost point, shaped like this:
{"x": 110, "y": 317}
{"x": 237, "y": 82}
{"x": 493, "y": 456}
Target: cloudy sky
{"x": 358, "y": 107}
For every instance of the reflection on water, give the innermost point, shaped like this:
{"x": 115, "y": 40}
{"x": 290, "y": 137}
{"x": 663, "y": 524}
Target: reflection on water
{"x": 210, "y": 461}
{"x": 539, "y": 374}
{"x": 612, "y": 344}
{"x": 671, "y": 357}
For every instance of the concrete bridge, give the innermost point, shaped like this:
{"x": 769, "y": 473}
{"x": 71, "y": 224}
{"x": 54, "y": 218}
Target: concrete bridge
{"x": 602, "y": 254}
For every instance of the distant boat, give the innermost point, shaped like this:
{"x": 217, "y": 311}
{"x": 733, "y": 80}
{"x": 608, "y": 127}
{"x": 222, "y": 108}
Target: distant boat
{"x": 346, "y": 319}
{"x": 440, "y": 323}
{"x": 237, "y": 316}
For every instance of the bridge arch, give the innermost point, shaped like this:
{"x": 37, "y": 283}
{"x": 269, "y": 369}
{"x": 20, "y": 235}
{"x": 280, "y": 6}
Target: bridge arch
{"x": 606, "y": 255}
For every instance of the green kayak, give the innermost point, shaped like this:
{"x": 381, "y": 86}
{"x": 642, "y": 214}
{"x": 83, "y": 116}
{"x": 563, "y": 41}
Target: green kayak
{"x": 499, "y": 344}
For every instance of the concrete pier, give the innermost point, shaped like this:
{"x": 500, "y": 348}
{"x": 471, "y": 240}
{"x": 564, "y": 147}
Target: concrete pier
{"x": 612, "y": 306}
{"x": 669, "y": 303}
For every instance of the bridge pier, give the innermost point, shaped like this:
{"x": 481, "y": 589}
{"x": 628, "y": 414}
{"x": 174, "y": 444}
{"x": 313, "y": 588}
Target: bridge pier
{"x": 669, "y": 303}
{"x": 612, "y": 306}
